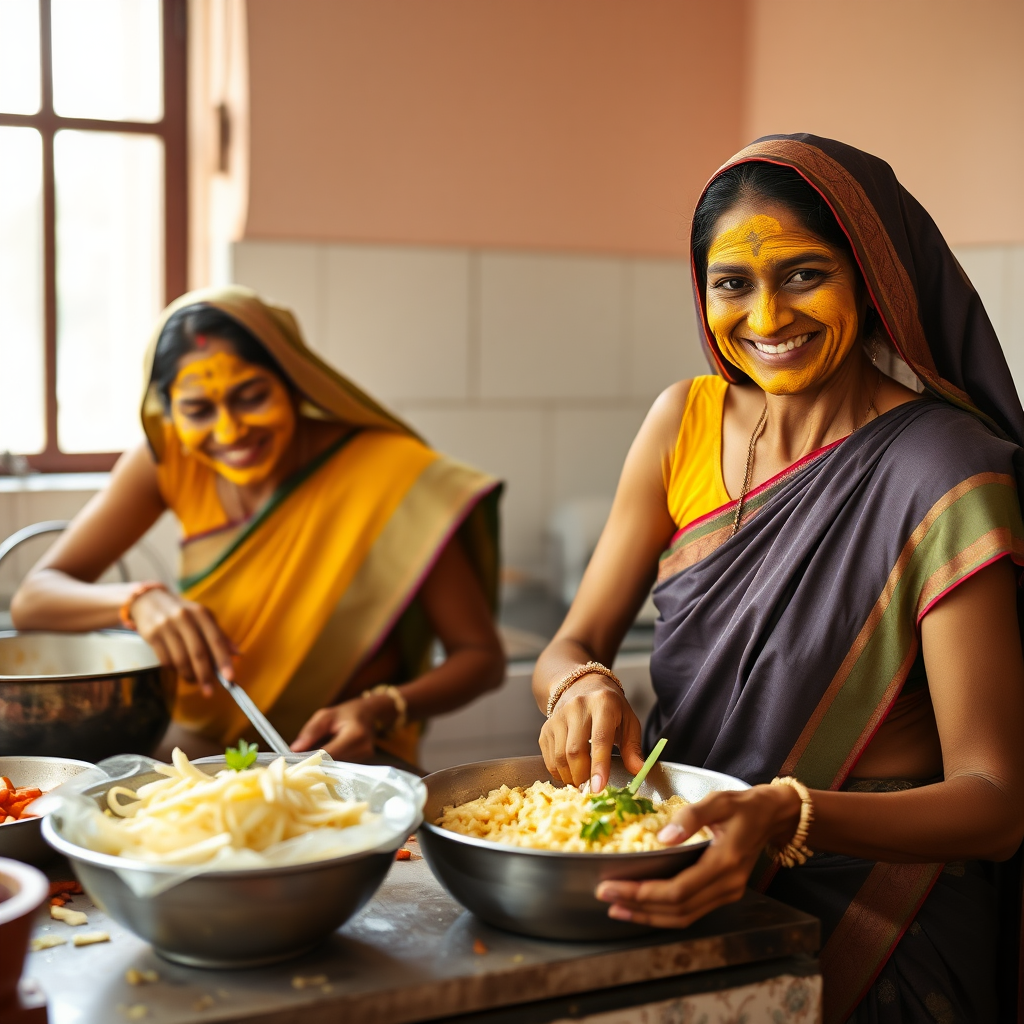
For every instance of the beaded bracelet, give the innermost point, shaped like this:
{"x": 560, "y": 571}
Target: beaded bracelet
{"x": 795, "y": 851}
{"x": 401, "y": 705}
{"x": 125, "y": 611}
{"x": 578, "y": 673}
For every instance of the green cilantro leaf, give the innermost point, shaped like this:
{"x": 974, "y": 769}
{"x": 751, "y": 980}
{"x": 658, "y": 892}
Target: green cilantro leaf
{"x": 242, "y": 756}
{"x": 611, "y": 803}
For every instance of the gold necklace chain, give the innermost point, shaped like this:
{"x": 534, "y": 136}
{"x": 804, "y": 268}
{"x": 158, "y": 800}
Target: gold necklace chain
{"x": 756, "y": 436}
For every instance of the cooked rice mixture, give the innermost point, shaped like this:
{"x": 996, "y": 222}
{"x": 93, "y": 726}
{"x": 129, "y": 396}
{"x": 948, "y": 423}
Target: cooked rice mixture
{"x": 546, "y": 817}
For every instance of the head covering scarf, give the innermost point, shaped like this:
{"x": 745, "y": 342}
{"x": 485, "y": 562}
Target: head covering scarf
{"x": 326, "y": 394}
{"x": 781, "y": 648}
{"x": 932, "y": 314}
{"x": 313, "y": 584}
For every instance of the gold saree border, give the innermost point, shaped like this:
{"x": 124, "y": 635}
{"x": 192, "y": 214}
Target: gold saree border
{"x": 405, "y": 551}
{"x": 868, "y": 932}
{"x": 933, "y": 560}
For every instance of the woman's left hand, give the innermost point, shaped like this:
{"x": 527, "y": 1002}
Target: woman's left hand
{"x": 742, "y": 824}
{"x": 346, "y": 731}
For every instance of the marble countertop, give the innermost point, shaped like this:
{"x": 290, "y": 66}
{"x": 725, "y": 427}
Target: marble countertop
{"x": 412, "y": 954}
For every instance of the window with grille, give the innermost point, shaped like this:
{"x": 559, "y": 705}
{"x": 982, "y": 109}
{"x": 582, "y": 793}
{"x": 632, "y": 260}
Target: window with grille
{"x": 92, "y": 217}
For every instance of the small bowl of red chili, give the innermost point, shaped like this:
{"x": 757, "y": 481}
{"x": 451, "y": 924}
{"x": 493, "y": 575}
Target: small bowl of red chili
{"x": 22, "y": 781}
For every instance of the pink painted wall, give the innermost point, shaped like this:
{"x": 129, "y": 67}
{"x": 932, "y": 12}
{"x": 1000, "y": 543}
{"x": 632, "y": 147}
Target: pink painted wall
{"x": 544, "y": 124}
{"x": 936, "y": 87}
{"x": 592, "y": 124}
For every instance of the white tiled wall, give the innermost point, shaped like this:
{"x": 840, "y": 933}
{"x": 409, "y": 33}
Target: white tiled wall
{"x": 997, "y": 271}
{"x": 536, "y": 367}
{"x": 39, "y": 498}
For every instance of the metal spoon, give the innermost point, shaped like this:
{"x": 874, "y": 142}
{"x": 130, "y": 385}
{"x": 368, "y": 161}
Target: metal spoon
{"x": 256, "y": 717}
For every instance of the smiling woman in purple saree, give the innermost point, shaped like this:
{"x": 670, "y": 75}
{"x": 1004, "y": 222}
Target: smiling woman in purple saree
{"x": 836, "y": 589}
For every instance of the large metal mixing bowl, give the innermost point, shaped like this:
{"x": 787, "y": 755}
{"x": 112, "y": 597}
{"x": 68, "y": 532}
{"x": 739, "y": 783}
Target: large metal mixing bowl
{"x": 546, "y": 893}
{"x": 81, "y": 695}
{"x": 248, "y": 917}
{"x": 23, "y": 840}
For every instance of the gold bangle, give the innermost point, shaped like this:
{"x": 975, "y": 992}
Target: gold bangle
{"x": 578, "y": 673}
{"x": 796, "y": 850}
{"x": 401, "y": 706}
{"x": 125, "y": 611}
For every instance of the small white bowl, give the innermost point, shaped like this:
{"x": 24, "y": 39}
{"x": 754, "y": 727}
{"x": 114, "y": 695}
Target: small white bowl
{"x": 28, "y": 890}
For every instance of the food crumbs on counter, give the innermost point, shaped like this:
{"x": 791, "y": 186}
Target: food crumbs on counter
{"x": 71, "y": 888}
{"x": 317, "y": 979}
{"x": 411, "y": 839}
{"x": 478, "y": 947}
{"x": 71, "y": 917}
{"x": 326, "y": 989}
{"x": 136, "y": 977}
{"x": 204, "y": 1003}
{"x": 137, "y": 1012}
{"x": 89, "y": 938}
{"x": 403, "y": 855}
{"x": 518, "y": 958}
{"x": 46, "y": 942}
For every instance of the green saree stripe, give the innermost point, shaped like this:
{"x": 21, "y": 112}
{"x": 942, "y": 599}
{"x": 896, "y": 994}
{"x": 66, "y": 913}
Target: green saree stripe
{"x": 869, "y": 930}
{"x": 402, "y": 555}
{"x": 279, "y": 496}
{"x": 861, "y": 693}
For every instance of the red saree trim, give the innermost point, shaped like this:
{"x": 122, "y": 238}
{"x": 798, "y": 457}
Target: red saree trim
{"x": 760, "y": 489}
{"x": 1015, "y": 552}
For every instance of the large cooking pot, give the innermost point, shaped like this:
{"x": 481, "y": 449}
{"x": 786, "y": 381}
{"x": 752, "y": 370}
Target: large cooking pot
{"x": 82, "y": 695}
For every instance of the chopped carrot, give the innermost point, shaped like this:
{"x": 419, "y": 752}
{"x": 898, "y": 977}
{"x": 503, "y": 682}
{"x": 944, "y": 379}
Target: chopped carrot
{"x": 14, "y": 801}
{"x": 70, "y": 886}
{"x": 57, "y": 901}
{"x": 7, "y": 782}
{"x": 403, "y": 855}
{"x": 478, "y": 947}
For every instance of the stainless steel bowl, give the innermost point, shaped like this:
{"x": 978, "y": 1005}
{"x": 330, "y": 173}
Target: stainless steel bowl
{"x": 546, "y": 893}
{"x": 23, "y": 840}
{"x": 81, "y": 695}
{"x": 242, "y": 918}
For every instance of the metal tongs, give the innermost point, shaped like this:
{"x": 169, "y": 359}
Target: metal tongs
{"x": 259, "y": 722}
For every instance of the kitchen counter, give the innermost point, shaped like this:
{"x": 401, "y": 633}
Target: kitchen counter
{"x": 414, "y": 954}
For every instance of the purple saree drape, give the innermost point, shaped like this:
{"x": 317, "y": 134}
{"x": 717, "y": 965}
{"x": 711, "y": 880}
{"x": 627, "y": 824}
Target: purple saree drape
{"x": 780, "y": 650}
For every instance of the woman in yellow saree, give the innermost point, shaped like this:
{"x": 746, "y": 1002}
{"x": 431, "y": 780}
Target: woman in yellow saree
{"x": 324, "y": 547}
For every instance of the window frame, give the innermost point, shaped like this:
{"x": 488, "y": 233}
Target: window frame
{"x": 172, "y": 128}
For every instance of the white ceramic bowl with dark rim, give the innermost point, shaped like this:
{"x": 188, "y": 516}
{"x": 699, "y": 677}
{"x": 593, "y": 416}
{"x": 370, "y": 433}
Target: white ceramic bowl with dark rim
{"x": 546, "y": 893}
{"x": 245, "y": 917}
{"x": 82, "y": 695}
{"x": 23, "y": 840}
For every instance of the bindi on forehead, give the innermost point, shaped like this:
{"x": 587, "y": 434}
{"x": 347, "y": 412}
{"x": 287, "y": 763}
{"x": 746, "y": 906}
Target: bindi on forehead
{"x": 214, "y": 374}
{"x": 748, "y": 236}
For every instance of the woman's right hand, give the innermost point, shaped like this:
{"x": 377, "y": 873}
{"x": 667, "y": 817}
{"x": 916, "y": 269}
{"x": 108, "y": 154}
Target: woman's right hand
{"x": 589, "y": 719}
{"x": 185, "y": 635}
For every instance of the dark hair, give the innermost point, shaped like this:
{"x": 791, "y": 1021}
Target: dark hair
{"x": 770, "y": 182}
{"x": 178, "y": 338}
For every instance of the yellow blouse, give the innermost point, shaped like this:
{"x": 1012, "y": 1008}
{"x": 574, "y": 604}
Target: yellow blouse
{"x": 694, "y": 484}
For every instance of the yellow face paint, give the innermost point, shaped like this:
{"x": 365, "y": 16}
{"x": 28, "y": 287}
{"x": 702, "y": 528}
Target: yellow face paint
{"x": 236, "y": 417}
{"x": 781, "y": 303}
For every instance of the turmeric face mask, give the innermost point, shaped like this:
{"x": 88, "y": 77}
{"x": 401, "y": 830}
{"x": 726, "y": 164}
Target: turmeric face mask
{"x": 234, "y": 416}
{"x": 783, "y": 305}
